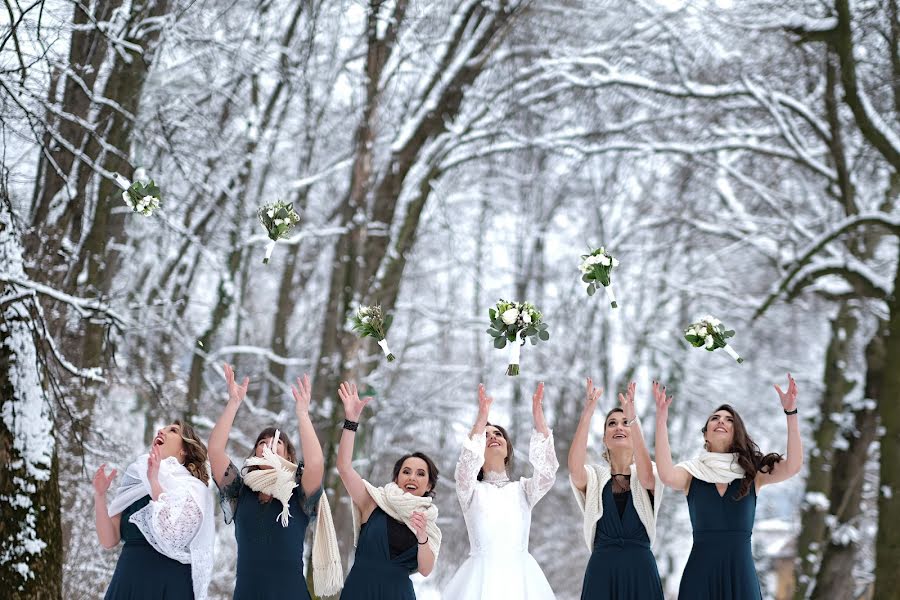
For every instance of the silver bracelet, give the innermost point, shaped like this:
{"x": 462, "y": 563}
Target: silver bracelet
{"x": 632, "y": 421}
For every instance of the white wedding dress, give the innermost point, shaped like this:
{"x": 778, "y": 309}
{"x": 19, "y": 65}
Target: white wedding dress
{"x": 498, "y": 517}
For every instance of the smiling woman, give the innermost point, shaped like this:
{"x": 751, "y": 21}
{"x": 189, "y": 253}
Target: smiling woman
{"x": 394, "y": 526}
{"x": 163, "y": 511}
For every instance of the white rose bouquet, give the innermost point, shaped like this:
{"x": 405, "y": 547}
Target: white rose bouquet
{"x": 513, "y": 322}
{"x": 709, "y": 333}
{"x": 369, "y": 321}
{"x": 595, "y": 269}
{"x": 141, "y": 196}
{"x": 278, "y": 218}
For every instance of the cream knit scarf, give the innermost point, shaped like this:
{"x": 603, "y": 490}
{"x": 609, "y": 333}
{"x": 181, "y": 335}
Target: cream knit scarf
{"x": 591, "y": 501}
{"x": 400, "y": 505}
{"x": 714, "y": 467}
{"x": 279, "y": 482}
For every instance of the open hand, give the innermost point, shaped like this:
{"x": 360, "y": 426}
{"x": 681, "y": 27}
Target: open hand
{"x": 236, "y": 392}
{"x": 102, "y": 481}
{"x": 626, "y": 401}
{"x": 353, "y": 406}
{"x": 302, "y": 393}
{"x": 788, "y": 398}
{"x": 662, "y": 401}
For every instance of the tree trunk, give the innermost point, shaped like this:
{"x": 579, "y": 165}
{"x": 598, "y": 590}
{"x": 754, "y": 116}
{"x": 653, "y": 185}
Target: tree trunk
{"x": 31, "y": 548}
{"x": 887, "y": 543}
{"x": 813, "y": 530}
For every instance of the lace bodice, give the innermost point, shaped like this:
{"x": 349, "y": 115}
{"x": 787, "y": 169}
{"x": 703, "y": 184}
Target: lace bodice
{"x": 498, "y": 511}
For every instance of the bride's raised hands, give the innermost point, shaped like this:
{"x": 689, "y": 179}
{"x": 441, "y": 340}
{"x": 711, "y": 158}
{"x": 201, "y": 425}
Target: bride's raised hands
{"x": 484, "y": 409}
{"x": 537, "y": 409}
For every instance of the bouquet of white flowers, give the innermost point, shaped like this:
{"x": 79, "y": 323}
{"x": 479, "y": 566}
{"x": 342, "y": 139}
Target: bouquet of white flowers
{"x": 513, "y": 322}
{"x": 142, "y": 196}
{"x": 369, "y": 321}
{"x": 278, "y": 218}
{"x": 595, "y": 269}
{"x": 709, "y": 333}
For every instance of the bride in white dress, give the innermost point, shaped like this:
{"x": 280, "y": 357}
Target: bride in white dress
{"x": 498, "y": 510}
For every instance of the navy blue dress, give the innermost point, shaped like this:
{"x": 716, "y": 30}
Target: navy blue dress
{"x": 269, "y": 556}
{"x": 375, "y": 575}
{"x": 720, "y": 566}
{"x": 142, "y": 573}
{"x": 622, "y": 566}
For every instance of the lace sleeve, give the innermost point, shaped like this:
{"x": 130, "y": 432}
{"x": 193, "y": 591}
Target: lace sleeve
{"x": 230, "y": 491}
{"x": 542, "y": 456}
{"x": 471, "y": 459}
{"x": 169, "y": 524}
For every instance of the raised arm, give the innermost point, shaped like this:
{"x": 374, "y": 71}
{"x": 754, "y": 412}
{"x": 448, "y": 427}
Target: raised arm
{"x": 107, "y": 527}
{"x": 313, "y": 459}
{"x": 218, "y": 438}
{"x": 578, "y": 450}
{"x": 792, "y": 463}
{"x": 353, "y": 408}
{"x": 677, "y": 479}
{"x": 541, "y": 452}
{"x": 471, "y": 459}
{"x": 641, "y": 454}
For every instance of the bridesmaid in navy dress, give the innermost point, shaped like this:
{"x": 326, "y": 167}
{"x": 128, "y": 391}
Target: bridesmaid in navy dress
{"x": 269, "y": 554}
{"x": 621, "y": 566}
{"x": 163, "y": 513}
{"x": 721, "y": 487}
{"x": 388, "y": 550}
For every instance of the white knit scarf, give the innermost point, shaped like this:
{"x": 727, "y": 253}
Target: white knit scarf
{"x": 591, "y": 501}
{"x": 714, "y": 467}
{"x": 400, "y": 505}
{"x": 279, "y": 481}
{"x": 176, "y": 481}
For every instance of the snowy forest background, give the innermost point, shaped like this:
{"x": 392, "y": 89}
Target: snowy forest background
{"x": 740, "y": 158}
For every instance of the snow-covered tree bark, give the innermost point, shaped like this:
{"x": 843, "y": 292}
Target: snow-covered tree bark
{"x": 31, "y": 549}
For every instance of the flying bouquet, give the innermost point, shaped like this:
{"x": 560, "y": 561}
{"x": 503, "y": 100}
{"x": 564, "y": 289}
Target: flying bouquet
{"x": 709, "y": 333}
{"x": 278, "y": 218}
{"x": 369, "y": 321}
{"x": 142, "y": 196}
{"x": 513, "y": 322}
{"x": 595, "y": 268}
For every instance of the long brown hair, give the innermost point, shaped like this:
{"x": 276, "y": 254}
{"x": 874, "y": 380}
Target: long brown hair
{"x": 195, "y": 453}
{"x": 509, "y": 449}
{"x": 750, "y": 458}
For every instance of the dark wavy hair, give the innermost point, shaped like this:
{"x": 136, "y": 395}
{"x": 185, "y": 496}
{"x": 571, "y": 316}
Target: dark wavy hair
{"x": 509, "y": 448}
{"x": 750, "y": 458}
{"x": 195, "y": 454}
{"x": 432, "y": 469}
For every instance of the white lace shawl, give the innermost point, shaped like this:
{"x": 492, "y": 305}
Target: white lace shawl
{"x": 591, "y": 500}
{"x": 179, "y": 524}
{"x": 714, "y": 467}
{"x": 541, "y": 455}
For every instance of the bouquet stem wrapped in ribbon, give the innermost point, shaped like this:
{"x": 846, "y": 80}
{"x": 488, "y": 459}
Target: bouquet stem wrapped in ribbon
{"x": 141, "y": 196}
{"x": 369, "y": 321}
{"x": 709, "y": 333}
{"x": 513, "y": 322}
{"x": 595, "y": 271}
{"x": 278, "y": 218}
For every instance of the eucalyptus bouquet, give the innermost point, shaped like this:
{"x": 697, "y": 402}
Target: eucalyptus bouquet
{"x": 595, "y": 270}
{"x": 278, "y": 218}
{"x": 369, "y": 321}
{"x": 709, "y": 333}
{"x": 513, "y": 322}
